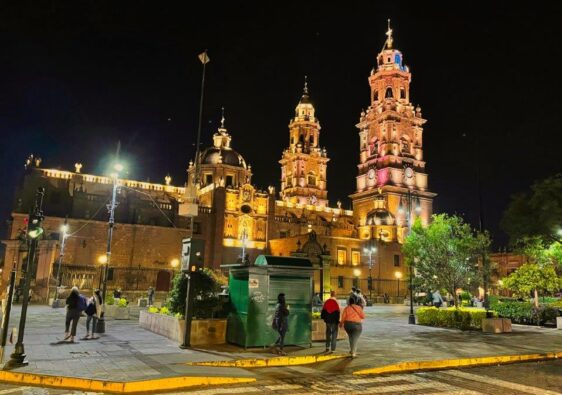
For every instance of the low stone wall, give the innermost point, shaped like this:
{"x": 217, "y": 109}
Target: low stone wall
{"x": 319, "y": 331}
{"x": 116, "y": 313}
{"x": 210, "y": 331}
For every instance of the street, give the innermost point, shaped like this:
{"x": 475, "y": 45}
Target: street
{"x": 540, "y": 378}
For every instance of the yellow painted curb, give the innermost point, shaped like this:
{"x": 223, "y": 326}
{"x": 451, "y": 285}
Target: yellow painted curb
{"x": 163, "y": 384}
{"x": 412, "y": 366}
{"x": 276, "y": 361}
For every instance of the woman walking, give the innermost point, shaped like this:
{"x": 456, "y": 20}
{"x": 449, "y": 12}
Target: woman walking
{"x": 350, "y": 320}
{"x": 93, "y": 312}
{"x": 75, "y": 305}
{"x": 280, "y": 323}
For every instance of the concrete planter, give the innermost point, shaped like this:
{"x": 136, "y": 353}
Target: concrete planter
{"x": 210, "y": 331}
{"x": 117, "y": 313}
{"x": 319, "y": 331}
{"x": 496, "y": 325}
{"x": 558, "y": 322}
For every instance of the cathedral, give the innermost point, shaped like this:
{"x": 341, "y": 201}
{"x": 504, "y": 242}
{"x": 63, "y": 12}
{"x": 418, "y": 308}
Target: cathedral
{"x": 235, "y": 221}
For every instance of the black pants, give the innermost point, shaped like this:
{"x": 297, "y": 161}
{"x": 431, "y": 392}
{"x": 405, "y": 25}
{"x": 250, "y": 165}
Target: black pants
{"x": 72, "y": 315}
{"x": 281, "y": 339}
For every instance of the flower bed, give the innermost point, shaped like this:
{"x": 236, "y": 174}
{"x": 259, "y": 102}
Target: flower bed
{"x": 208, "y": 331}
{"x": 463, "y": 318}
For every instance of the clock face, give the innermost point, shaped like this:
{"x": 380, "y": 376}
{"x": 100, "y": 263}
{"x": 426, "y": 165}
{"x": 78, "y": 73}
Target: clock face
{"x": 246, "y": 195}
{"x": 371, "y": 174}
{"x": 409, "y": 173}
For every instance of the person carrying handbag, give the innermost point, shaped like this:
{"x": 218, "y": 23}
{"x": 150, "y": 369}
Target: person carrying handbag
{"x": 351, "y": 320}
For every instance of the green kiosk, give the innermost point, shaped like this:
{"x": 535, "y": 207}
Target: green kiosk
{"x": 253, "y": 294}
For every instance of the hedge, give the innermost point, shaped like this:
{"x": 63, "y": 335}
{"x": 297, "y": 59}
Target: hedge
{"x": 462, "y": 318}
{"x": 524, "y": 312}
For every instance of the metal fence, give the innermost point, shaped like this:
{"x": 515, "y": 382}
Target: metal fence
{"x": 398, "y": 288}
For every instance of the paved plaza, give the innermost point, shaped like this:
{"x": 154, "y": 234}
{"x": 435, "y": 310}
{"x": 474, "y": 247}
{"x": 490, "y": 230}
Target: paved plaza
{"x": 128, "y": 353}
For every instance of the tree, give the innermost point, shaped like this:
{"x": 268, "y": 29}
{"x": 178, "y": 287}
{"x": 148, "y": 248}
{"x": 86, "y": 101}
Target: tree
{"x": 446, "y": 253}
{"x": 204, "y": 289}
{"x": 532, "y": 277}
{"x": 535, "y": 214}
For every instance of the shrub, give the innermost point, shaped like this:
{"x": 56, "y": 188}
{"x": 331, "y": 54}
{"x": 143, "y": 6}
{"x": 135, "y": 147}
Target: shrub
{"x": 153, "y": 309}
{"x": 316, "y": 315}
{"x": 206, "y": 303}
{"x": 109, "y": 300}
{"x": 525, "y": 312}
{"x": 463, "y": 318}
{"x": 164, "y": 310}
{"x": 122, "y": 302}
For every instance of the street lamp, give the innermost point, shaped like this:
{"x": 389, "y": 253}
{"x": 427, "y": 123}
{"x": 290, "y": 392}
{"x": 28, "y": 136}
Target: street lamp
{"x": 412, "y": 204}
{"x": 102, "y": 260}
{"x": 398, "y": 276}
{"x": 369, "y": 251}
{"x": 117, "y": 168}
{"x": 244, "y": 239}
{"x": 175, "y": 262}
{"x": 64, "y": 231}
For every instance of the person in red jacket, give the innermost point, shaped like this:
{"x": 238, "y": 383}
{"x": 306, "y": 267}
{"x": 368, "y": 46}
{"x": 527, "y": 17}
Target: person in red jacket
{"x": 331, "y": 316}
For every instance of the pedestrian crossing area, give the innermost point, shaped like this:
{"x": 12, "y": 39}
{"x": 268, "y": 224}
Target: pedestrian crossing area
{"x": 448, "y": 382}
{"x": 443, "y": 383}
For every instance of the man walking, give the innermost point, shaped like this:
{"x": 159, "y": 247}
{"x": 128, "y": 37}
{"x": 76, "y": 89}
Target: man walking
{"x": 331, "y": 316}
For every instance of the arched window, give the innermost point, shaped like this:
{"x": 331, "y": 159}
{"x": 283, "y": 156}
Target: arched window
{"x": 312, "y": 179}
{"x": 376, "y": 96}
{"x": 388, "y": 94}
{"x": 405, "y": 145}
{"x": 402, "y": 93}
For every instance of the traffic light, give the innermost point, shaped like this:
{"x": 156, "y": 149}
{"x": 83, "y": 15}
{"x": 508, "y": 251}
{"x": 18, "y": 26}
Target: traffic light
{"x": 34, "y": 229}
{"x": 192, "y": 254}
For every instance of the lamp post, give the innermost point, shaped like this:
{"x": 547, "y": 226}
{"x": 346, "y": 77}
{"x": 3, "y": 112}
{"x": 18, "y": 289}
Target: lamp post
{"x": 64, "y": 230}
{"x": 244, "y": 238}
{"x": 398, "y": 276}
{"x": 18, "y": 357}
{"x": 369, "y": 251}
{"x": 111, "y": 208}
{"x": 412, "y": 204}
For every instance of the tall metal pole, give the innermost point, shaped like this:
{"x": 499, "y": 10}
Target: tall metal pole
{"x": 204, "y": 60}
{"x": 411, "y": 316}
{"x": 7, "y": 311}
{"x": 187, "y": 317}
{"x": 18, "y": 357}
{"x": 61, "y": 256}
{"x": 101, "y": 322}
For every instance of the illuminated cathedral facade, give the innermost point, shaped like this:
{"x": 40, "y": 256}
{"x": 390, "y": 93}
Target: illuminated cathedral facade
{"x": 359, "y": 247}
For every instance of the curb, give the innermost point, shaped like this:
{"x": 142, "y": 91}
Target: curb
{"x": 119, "y": 387}
{"x": 413, "y": 366}
{"x": 269, "y": 362}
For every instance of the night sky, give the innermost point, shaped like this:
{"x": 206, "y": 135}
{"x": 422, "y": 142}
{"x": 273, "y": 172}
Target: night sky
{"x": 77, "y": 77}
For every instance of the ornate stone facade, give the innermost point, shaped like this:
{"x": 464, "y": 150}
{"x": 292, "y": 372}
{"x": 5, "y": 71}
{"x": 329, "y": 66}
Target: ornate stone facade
{"x": 233, "y": 215}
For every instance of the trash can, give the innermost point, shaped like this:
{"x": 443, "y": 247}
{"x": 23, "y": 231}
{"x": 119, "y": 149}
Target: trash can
{"x": 253, "y": 293}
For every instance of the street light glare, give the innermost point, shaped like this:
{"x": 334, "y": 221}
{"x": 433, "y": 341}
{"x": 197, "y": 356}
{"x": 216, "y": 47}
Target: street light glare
{"x": 175, "y": 262}
{"x": 102, "y": 259}
{"x": 398, "y": 275}
{"x": 356, "y": 272}
{"x": 64, "y": 228}
{"x": 118, "y": 167}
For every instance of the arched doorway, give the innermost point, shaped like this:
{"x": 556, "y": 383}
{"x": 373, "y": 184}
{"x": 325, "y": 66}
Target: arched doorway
{"x": 163, "y": 281}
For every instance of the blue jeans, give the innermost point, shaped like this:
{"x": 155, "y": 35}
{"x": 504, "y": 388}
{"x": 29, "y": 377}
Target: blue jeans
{"x": 353, "y": 330}
{"x": 94, "y": 323}
{"x": 331, "y": 336}
{"x": 281, "y": 339}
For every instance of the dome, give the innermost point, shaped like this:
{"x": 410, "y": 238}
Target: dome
{"x": 380, "y": 217}
{"x": 227, "y": 156}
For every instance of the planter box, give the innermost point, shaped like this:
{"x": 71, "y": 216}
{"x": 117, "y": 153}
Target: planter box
{"x": 116, "y": 313}
{"x": 210, "y": 331}
{"x": 319, "y": 331}
{"x": 142, "y": 302}
{"x": 496, "y": 325}
{"x": 558, "y": 322}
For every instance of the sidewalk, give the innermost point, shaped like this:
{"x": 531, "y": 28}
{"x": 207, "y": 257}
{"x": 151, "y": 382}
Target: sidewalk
{"x": 128, "y": 353}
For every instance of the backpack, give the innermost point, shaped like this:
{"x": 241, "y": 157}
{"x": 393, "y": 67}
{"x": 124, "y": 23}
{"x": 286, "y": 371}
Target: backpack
{"x": 82, "y": 303}
{"x": 91, "y": 309}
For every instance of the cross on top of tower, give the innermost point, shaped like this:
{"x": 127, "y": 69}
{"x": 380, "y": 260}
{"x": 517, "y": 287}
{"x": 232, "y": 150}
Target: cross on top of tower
{"x": 389, "y": 39}
{"x": 222, "y": 118}
{"x": 305, "y": 90}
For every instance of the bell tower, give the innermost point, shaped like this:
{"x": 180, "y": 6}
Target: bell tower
{"x": 304, "y": 163}
{"x": 391, "y": 163}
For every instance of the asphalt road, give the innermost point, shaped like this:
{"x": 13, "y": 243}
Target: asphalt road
{"x": 538, "y": 378}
